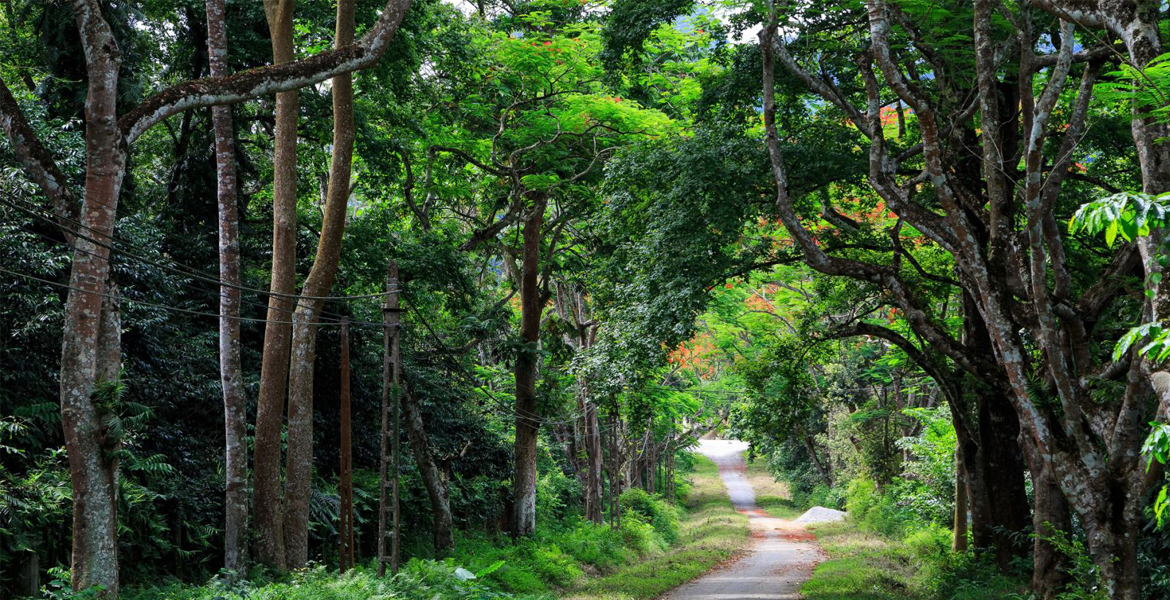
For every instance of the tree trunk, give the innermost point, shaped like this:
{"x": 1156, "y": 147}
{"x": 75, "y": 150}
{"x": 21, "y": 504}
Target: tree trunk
{"x": 959, "y": 526}
{"x": 994, "y": 462}
{"x": 1000, "y": 469}
{"x": 267, "y": 498}
{"x": 593, "y": 464}
{"x": 811, "y": 448}
{"x": 431, "y": 475}
{"x": 299, "y": 470}
{"x": 527, "y": 366}
{"x": 651, "y": 464}
{"x": 1050, "y": 517}
{"x": 1112, "y": 541}
{"x": 230, "y": 372}
{"x": 92, "y": 471}
{"x": 615, "y": 471}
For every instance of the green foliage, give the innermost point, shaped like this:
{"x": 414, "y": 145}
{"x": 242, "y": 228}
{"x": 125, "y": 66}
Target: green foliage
{"x": 872, "y": 509}
{"x": 920, "y": 566}
{"x": 710, "y": 532}
{"x": 1157, "y": 449}
{"x": 60, "y": 587}
{"x": 1128, "y": 214}
{"x": 928, "y": 482}
{"x": 560, "y": 552}
{"x": 418, "y": 580}
{"x": 1147, "y": 86}
{"x": 661, "y": 516}
{"x": 1086, "y": 579}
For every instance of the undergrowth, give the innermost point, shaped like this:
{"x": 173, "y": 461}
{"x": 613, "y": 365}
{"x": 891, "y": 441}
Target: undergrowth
{"x": 658, "y": 546}
{"x": 882, "y": 553}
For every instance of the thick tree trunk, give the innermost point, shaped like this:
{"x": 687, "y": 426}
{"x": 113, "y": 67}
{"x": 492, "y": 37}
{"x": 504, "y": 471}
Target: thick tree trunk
{"x": 1112, "y": 540}
{"x": 995, "y": 468}
{"x": 267, "y": 498}
{"x": 230, "y": 372}
{"x": 431, "y": 475}
{"x": 1050, "y": 517}
{"x": 93, "y": 473}
{"x": 527, "y": 366}
{"x": 1000, "y": 468}
{"x": 299, "y": 470}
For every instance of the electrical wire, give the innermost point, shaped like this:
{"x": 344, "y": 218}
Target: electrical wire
{"x": 178, "y": 308}
{"x": 181, "y": 269}
{"x": 190, "y": 272}
{"x": 222, "y": 294}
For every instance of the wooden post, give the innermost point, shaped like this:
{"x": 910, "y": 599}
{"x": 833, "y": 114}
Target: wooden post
{"x": 670, "y": 450}
{"x": 388, "y": 518}
{"x": 396, "y": 359}
{"x": 347, "y": 541}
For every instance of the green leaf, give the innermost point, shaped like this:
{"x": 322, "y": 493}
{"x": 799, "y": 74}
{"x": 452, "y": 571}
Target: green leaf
{"x": 488, "y": 570}
{"x": 1111, "y": 233}
{"x": 1160, "y": 506}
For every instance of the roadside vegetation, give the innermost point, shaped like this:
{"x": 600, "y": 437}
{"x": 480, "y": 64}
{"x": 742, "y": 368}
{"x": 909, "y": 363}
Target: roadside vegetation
{"x": 657, "y": 546}
{"x": 710, "y": 532}
{"x": 870, "y": 559}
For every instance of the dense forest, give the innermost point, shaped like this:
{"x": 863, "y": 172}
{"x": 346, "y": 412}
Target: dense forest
{"x": 435, "y": 299}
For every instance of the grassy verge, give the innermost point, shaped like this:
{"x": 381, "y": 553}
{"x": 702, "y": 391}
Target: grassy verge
{"x": 863, "y": 565}
{"x": 657, "y": 547}
{"x": 710, "y": 532}
{"x": 772, "y": 496}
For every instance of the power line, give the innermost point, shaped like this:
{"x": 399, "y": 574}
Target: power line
{"x": 178, "y": 309}
{"x": 181, "y": 269}
{"x": 222, "y": 294}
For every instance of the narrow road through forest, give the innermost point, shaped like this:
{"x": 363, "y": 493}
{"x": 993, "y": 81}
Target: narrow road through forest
{"x": 781, "y": 556}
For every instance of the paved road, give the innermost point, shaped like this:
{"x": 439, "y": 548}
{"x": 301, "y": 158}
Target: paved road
{"x": 782, "y": 553}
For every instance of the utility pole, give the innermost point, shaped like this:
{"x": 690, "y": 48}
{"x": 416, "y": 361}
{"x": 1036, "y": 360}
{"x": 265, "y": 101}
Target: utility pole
{"x": 347, "y": 536}
{"x": 388, "y": 514}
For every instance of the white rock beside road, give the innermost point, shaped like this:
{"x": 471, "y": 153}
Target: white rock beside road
{"x": 820, "y": 514}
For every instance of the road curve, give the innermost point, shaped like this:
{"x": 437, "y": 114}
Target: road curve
{"x": 781, "y": 556}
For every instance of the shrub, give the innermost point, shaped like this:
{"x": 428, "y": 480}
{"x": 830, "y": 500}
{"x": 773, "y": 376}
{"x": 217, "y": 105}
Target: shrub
{"x": 555, "y": 566}
{"x": 418, "y": 580}
{"x": 823, "y": 495}
{"x": 555, "y": 492}
{"x": 931, "y": 543}
{"x": 638, "y": 535}
{"x": 660, "y": 515}
{"x": 860, "y": 498}
{"x": 600, "y": 546}
{"x": 876, "y": 511}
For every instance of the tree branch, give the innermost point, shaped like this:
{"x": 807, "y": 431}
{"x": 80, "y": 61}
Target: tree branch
{"x": 212, "y": 91}
{"x": 36, "y": 161}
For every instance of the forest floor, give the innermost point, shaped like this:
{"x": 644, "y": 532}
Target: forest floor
{"x": 782, "y": 554}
